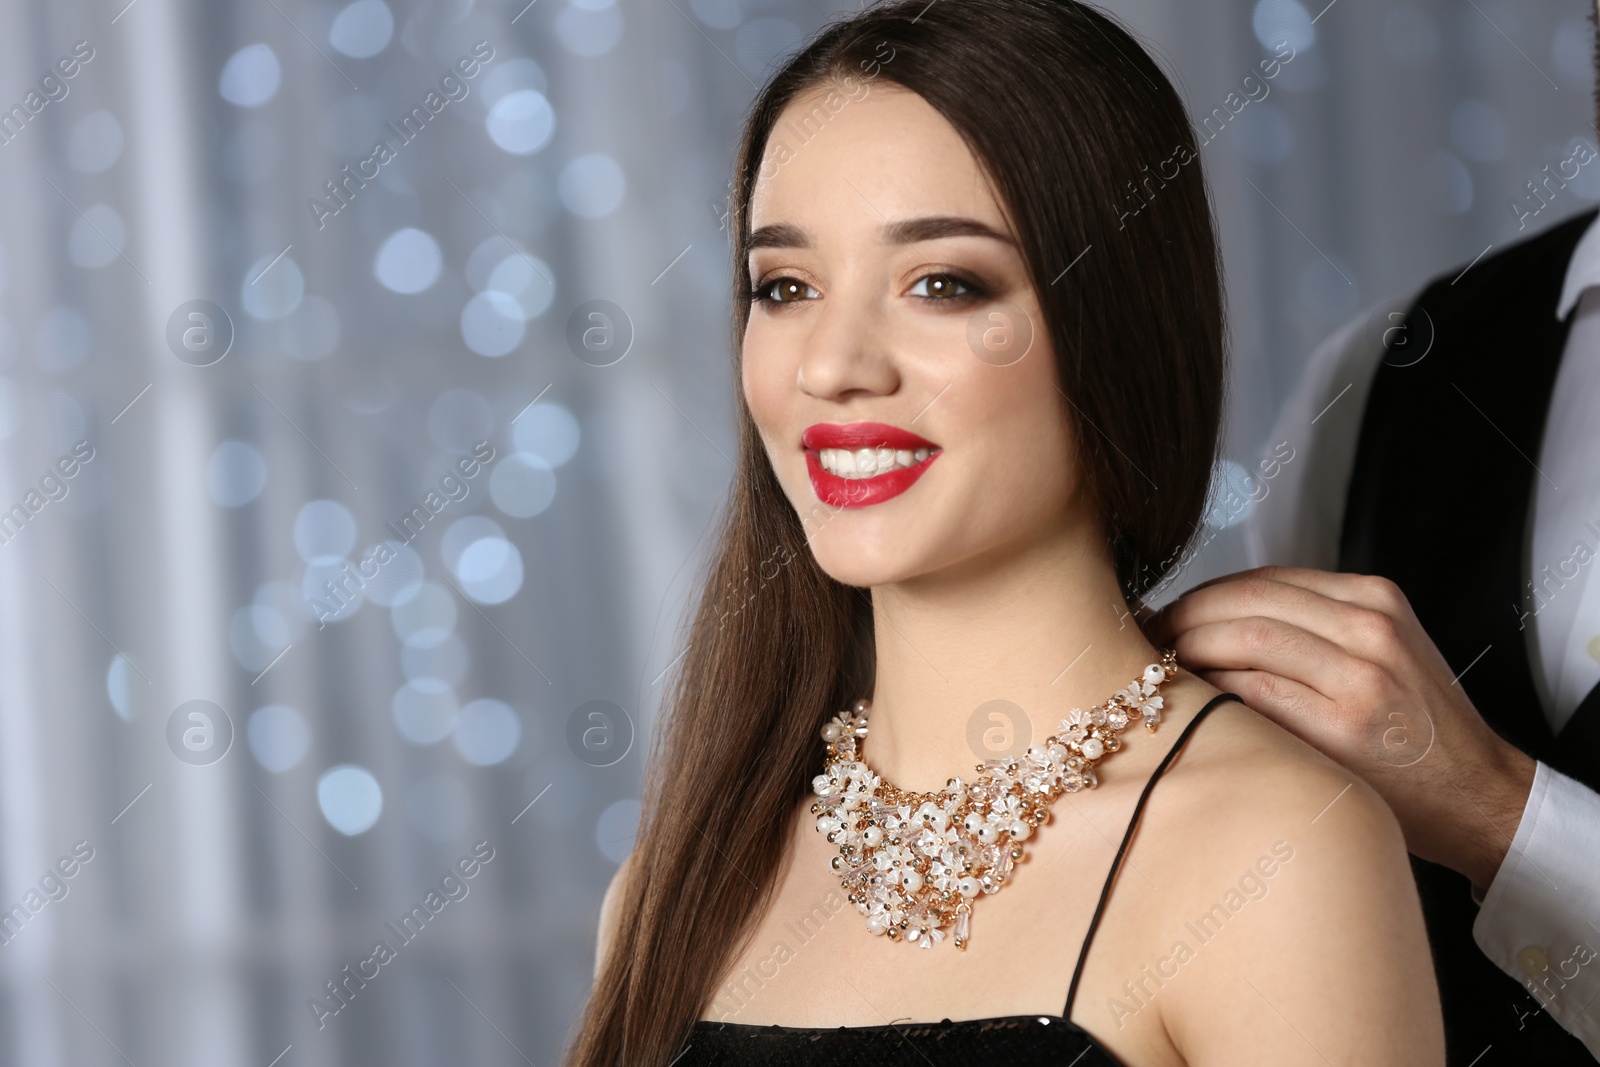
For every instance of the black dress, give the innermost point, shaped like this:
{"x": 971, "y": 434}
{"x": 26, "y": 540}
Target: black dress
{"x": 1010, "y": 1040}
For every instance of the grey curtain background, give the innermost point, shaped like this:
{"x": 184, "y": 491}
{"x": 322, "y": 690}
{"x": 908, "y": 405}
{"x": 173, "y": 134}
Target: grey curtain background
{"x": 488, "y": 679}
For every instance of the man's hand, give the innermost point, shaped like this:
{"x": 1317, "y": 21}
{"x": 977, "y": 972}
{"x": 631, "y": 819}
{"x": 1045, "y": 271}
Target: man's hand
{"x": 1341, "y": 661}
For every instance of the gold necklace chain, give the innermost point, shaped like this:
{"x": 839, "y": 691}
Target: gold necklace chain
{"x": 913, "y": 862}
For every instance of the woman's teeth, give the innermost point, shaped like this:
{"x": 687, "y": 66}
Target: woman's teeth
{"x": 869, "y": 462}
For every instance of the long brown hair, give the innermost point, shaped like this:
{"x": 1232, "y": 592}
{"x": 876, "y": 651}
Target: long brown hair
{"x": 1095, "y": 163}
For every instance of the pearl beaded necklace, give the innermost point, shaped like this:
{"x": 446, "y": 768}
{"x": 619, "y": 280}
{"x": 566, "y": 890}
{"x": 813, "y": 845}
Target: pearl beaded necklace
{"x": 912, "y": 863}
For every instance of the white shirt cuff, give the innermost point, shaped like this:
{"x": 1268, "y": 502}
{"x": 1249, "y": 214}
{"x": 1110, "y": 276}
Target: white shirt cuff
{"x": 1540, "y": 918}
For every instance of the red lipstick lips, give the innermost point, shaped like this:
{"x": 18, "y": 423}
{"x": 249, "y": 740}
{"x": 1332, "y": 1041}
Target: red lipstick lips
{"x": 837, "y": 491}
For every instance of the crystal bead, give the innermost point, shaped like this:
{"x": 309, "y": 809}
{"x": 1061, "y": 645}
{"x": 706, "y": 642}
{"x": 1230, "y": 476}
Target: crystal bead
{"x": 963, "y": 924}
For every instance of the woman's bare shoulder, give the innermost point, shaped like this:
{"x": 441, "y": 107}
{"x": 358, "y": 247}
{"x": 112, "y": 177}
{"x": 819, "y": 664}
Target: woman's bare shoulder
{"x": 1262, "y": 833}
{"x": 1244, "y": 785}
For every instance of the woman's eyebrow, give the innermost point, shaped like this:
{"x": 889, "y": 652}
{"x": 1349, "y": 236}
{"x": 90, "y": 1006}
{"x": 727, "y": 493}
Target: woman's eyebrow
{"x": 903, "y": 232}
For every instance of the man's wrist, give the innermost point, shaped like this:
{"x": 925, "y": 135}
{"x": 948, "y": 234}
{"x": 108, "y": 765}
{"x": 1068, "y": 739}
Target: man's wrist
{"x": 1500, "y": 796}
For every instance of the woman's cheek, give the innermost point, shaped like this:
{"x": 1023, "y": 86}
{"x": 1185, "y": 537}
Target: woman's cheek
{"x": 766, "y": 407}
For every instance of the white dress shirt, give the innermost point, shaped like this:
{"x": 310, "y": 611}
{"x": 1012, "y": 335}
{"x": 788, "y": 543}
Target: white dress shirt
{"x": 1539, "y": 920}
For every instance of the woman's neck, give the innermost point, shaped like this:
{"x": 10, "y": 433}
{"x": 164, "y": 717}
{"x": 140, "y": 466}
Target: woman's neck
{"x": 985, "y": 657}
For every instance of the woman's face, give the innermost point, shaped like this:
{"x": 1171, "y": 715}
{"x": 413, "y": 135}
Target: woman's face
{"x": 896, "y": 324}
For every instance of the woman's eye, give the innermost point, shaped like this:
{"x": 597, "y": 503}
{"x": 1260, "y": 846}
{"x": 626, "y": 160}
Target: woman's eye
{"x": 787, "y": 290}
{"x": 943, "y": 287}
{"x": 939, "y": 287}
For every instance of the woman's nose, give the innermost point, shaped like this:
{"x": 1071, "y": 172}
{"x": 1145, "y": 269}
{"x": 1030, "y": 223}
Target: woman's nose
{"x": 848, "y": 352}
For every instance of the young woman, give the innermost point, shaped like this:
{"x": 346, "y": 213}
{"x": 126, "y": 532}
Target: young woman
{"x": 980, "y": 338}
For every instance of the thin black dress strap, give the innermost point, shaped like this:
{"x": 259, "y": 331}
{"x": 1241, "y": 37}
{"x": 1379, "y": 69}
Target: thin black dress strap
{"x": 1122, "y": 849}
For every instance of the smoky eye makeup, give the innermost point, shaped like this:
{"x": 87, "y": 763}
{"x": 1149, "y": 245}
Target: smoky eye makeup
{"x": 941, "y": 285}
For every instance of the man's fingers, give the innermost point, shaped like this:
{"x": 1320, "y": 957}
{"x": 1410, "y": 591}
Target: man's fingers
{"x": 1235, "y": 596}
{"x": 1264, "y": 644}
{"x": 1363, "y": 590}
{"x": 1360, "y": 618}
{"x": 1292, "y": 575}
{"x": 1285, "y": 701}
{"x": 1369, "y": 591}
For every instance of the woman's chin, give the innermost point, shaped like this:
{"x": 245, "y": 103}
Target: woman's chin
{"x": 864, "y": 570}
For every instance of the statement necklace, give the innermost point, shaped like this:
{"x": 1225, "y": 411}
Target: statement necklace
{"x": 913, "y": 863}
